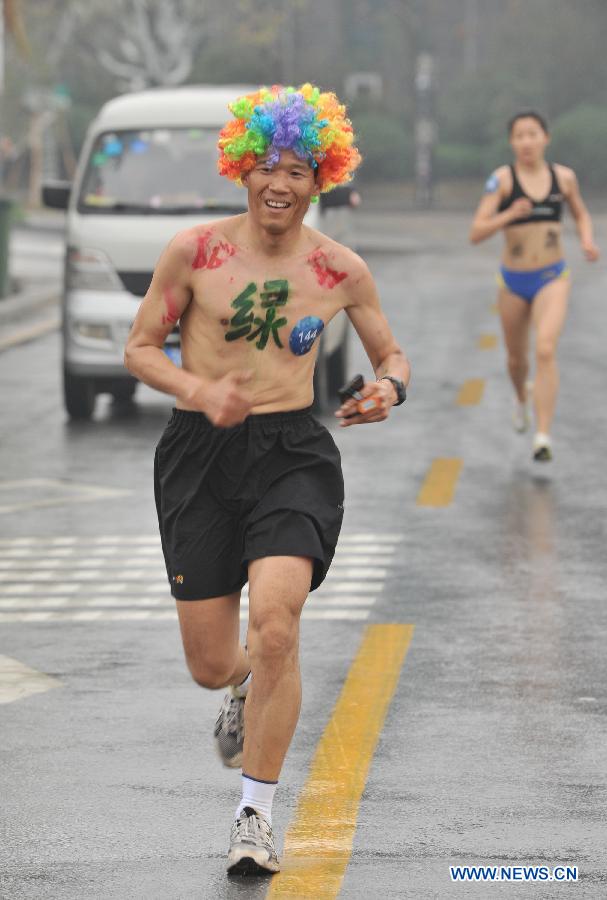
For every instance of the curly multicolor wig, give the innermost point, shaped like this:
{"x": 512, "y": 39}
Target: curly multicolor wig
{"x": 310, "y": 123}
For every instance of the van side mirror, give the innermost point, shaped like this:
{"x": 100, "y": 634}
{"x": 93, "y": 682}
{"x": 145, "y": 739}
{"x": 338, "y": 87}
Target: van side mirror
{"x": 56, "y": 194}
{"x": 340, "y": 196}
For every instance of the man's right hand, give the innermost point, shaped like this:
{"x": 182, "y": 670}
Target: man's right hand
{"x": 226, "y": 402}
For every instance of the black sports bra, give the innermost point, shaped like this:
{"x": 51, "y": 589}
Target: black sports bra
{"x": 550, "y": 209}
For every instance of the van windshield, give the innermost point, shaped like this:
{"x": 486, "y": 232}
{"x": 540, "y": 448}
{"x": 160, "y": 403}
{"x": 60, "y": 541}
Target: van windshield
{"x": 157, "y": 171}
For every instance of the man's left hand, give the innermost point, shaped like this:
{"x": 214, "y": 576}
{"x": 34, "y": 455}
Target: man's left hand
{"x": 384, "y": 394}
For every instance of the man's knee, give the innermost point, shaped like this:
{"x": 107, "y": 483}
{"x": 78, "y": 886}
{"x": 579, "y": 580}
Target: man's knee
{"x": 211, "y": 673}
{"x": 272, "y": 638}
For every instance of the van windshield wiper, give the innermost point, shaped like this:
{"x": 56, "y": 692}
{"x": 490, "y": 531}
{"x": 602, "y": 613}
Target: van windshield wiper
{"x": 119, "y": 207}
{"x": 146, "y": 209}
{"x": 218, "y": 206}
{"x": 211, "y": 206}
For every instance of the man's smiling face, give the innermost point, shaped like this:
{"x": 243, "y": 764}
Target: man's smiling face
{"x": 279, "y": 195}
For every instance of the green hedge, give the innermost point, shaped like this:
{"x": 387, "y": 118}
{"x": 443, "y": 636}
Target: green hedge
{"x": 460, "y": 161}
{"x": 579, "y": 140}
{"x": 386, "y": 146}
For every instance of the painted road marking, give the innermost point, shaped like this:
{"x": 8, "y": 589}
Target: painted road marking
{"x": 439, "y": 484}
{"x": 61, "y": 588}
{"x": 155, "y": 540}
{"x": 23, "y": 576}
{"x": 157, "y": 615}
{"x": 487, "y": 342}
{"x": 161, "y": 587}
{"x": 84, "y": 574}
{"x": 122, "y": 602}
{"x": 318, "y": 844}
{"x": 68, "y": 553}
{"x": 104, "y": 601}
{"x": 68, "y": 492}
{"x": 41, "y": 563}
{"x": 18, "y": 681}
{"x": 471, "y": 392}
{"x": 73, "y": 565}
{"x": 23, "y": 335}
{"x": 90, "y": 579}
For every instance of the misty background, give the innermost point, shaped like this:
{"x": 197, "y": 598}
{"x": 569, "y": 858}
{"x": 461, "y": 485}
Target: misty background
{"x": 488, "y": 60}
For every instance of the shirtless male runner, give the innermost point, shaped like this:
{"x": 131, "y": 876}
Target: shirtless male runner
{"x": 248, "y": 484}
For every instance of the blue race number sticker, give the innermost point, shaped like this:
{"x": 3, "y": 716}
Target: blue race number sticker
{"x": 304, "y": 334}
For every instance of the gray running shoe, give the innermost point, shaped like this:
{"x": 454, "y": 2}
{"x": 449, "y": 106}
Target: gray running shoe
{"x": 252, "y": 850}
{"x": 229, "y": 730}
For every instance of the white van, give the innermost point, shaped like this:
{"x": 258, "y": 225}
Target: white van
{"x": 147, "y": 170}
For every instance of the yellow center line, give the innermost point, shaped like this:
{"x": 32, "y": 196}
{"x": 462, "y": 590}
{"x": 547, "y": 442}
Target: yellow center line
{"x": 440, "y": 482}
{"x": 318, "y": 844}
{"x": 487, "y": 342}
{"x": 471, "y": 392}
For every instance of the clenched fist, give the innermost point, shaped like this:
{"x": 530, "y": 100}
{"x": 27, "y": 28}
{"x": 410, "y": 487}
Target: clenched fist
{"x": 226, "y": 402}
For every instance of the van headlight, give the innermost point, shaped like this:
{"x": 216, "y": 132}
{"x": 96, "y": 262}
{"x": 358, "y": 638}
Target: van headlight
{"x": 93, "y": 331}
{"x": 90, "y": 270}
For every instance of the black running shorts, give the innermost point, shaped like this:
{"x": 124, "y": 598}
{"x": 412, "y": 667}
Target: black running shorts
{"x": 271, "y": 486}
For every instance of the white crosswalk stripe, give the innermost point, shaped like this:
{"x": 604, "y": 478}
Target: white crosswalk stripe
{"x": 118, "y": 578}
{"x": 125, "y": 540}
{"x": 51, "y": 562}
{"x": 90, "y": 615}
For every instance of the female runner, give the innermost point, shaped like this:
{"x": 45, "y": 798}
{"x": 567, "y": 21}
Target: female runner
{"x": 526, "y": 200}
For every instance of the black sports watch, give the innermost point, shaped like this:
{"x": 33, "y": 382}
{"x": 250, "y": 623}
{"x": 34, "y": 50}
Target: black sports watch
{"x": 399, "y": 387}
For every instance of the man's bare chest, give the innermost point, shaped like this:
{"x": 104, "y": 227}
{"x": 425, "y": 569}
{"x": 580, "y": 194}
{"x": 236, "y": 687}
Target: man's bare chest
{"x": 278, "y": 306}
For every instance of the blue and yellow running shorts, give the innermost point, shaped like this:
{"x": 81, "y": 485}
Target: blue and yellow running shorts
{"x": 527, "y": 284}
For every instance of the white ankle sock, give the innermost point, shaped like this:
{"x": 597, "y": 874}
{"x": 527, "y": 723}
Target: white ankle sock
{"x": 257, "y": 794}
{"x": 242, "y": 689}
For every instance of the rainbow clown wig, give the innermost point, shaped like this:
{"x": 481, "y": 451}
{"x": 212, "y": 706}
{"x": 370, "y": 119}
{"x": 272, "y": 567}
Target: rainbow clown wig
{"x": 310, "y": 123}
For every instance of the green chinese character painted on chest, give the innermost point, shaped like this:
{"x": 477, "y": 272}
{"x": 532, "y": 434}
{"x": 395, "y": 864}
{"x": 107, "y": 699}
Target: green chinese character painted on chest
{"x": 266, "y": 327}
{"x": 275, "y": 294}
{"x": 242, "y": 322}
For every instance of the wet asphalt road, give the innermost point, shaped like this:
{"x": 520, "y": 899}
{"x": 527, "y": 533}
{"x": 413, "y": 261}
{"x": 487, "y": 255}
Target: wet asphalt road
{"x": 493, "y": 750}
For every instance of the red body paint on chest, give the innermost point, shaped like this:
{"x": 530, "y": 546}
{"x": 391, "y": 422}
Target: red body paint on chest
{"x": 214, "y": 257}
{"x": 325, "y": 275}
{"x": 171, "y": 316}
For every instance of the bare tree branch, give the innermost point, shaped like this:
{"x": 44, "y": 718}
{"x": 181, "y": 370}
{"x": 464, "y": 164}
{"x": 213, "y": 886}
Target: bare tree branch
{"x": 149, "y": 42}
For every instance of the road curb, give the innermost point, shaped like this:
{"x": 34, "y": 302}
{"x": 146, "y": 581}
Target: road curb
{"x": 24, "y": 335}
{"x": 41, "y": 221}
{"x": 379, "y": 245}
{"x": 23, "y": 304}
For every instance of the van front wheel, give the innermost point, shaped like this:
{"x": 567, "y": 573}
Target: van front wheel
{"x": 337, "y": 370}
{"x": 79, "y": 396}
{"x": 124, "y": 391}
